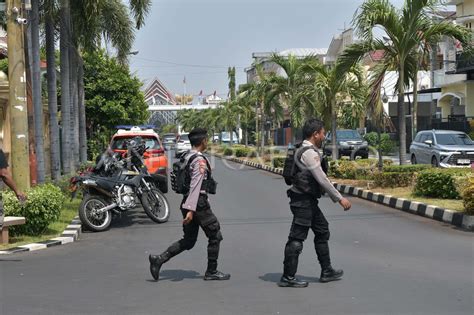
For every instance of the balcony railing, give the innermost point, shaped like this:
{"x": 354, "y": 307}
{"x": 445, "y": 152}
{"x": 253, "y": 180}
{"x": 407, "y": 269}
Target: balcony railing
{"x": 464, "y": 63}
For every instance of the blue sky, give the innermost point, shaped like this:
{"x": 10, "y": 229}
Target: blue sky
{"x": 199, "y": 39}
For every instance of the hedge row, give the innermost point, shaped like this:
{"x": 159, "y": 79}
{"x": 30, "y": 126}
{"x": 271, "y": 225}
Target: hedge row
{"x": 441, "y": 183}
{"x": 468, "y": 196}
{"x": 427, "y": 181}
{"x": 42, "y": 208}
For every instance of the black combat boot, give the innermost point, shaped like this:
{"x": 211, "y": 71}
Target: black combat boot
{"x": 156, "y": 262}
{"x": 292, "y": 282}
{"x": 293, "y": 249}
{"x": 213, "y": 274}
{"x": 329, "y": 274}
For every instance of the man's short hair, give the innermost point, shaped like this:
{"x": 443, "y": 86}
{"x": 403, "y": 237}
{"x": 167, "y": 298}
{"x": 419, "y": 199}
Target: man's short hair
{"x": 311, "y": 126}
{"x": 197, "y": 136}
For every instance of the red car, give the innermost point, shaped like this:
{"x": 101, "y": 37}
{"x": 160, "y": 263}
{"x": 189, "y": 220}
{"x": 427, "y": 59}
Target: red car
{"x": 155, "y": 158}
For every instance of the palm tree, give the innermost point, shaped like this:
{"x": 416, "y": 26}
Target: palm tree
{"x": 246, "y": 103}
{"x": 295, "y": 87}
{"x": 36, "y": 88}
{"x": 228, "y": 113}
{"x": 405, "y": 28}
{"x": 231, "y": 75}
{"x": 65, "y": 31}
{"x": 264, "y": 93}
{"x": 333, "y": 90}
{"x": 49, "y": 8}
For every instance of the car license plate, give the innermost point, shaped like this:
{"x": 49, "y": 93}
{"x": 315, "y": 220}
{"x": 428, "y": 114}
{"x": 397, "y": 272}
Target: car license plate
{"x": 464, "y": 161}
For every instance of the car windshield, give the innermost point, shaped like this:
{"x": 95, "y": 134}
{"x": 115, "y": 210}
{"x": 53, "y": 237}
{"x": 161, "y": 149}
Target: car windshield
{"x": 454, "y": 139}
{"x": 169, "y": 137}
{"x": 121, "y": 143}
{"x": 348, "y": 135}
{"x": 184, "y": 138}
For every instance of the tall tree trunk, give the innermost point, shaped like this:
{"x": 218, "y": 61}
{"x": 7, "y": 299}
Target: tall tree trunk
{"x": 246, "y": 130}
{"x": 29, "y": 105}
{"x": 257, "y": 143}
{"x": 433, "y": 62}
{"x": 52, "y": 99}
{"x": 335, "y": 153}
{"x": 82, "y": 113}
{"x": 37, "y": 97}
{"x": 379, "y": 144}
{"x": 65, "y": 89}
{"x": 402, "y": 125}
{"x": 262, "y": 126}
{"x": 74, "y": 106}
{"x": 414, "y": 112}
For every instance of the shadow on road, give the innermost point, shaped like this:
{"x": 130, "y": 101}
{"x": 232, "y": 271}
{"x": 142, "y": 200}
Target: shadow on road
{"x": 275, "y": 278}
{"x": 177, "y": 275}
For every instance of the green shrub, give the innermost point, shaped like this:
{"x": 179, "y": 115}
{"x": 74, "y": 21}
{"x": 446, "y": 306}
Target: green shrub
{"x": 42, "y": 208}
{"x": 4, "y": 66}
{"x": 278, "y": 162}
{"x": 438, "y": 183}
{"x": 342, "y": 169}
{"x": 406, "y": 168}
{"x": 242, "y": 152}
{"x": 363, "y": 169}
{"x": 271, "y": 151}
{"x": 462, "y": 182}
{"x": 468, "y": 197}
{"x": 63, "y": 184}
{"x": 387, "y": 144}
{"x": 228, "y": 152}
{"x": 471, "y": 134}
{"x": 393, "y": 179}
{"x": 85, "y": 166}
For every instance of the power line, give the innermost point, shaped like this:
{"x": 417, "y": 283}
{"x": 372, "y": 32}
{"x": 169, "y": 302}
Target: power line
{"x": 183, "y": 64}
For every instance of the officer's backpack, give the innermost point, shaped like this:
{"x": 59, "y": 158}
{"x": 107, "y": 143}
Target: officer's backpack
{"x": 180, "y": 174}
{"x": 290, "y": 167}
{"x": 181, "y": 179}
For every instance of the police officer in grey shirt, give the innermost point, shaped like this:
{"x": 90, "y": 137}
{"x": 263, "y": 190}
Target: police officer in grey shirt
{"x": 309, "y": 181}
{"x": 196, "y": 213}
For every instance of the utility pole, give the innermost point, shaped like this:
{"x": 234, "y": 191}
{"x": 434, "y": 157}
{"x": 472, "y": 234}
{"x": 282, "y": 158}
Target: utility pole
{"x": 17, "y": 104}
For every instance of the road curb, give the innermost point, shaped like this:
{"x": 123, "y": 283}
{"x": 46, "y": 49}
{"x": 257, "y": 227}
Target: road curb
{"x": 452, "y": 217}
{"x": 69, "y": 235}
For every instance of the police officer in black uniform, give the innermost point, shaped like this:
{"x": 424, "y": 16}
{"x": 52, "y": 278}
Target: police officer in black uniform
{"x": 196, "y": 212}
{"x": 309, "y": 181}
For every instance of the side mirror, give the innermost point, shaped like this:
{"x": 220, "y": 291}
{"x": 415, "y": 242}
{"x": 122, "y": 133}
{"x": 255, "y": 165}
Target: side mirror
{"x": 429, "y": 142}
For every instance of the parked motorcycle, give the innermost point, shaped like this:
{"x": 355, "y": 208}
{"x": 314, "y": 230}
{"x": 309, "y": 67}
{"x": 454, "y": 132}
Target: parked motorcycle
{"x": 119, "y": 183}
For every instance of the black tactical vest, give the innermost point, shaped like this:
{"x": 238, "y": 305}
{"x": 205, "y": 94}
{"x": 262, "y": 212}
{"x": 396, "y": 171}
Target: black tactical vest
{"x": 303, "y": 179}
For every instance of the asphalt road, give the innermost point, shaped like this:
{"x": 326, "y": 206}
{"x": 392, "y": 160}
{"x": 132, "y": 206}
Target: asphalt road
{"x": 394, "y": 263}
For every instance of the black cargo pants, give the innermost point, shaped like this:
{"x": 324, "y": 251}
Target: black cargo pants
{"x": 306, "y": 215}
{"x": 204, "y": 218}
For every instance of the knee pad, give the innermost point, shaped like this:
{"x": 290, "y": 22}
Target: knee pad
{"x": 294, "y": 247}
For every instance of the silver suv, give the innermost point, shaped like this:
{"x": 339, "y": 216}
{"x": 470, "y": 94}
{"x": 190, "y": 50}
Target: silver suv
{"x": 443, "y": 148}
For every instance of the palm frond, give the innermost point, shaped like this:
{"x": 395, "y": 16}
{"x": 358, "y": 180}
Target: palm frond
{"x": 140, "y": 9}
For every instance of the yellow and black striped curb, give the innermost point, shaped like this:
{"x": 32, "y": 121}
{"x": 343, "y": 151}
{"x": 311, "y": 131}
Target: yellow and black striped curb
{"x": 69, "y": 235}
{"x": 455, "y": 218}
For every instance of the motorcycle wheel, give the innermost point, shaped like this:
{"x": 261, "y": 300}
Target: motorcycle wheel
{"x": 96, "y": 222}
{"x": 156, "y": 205}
